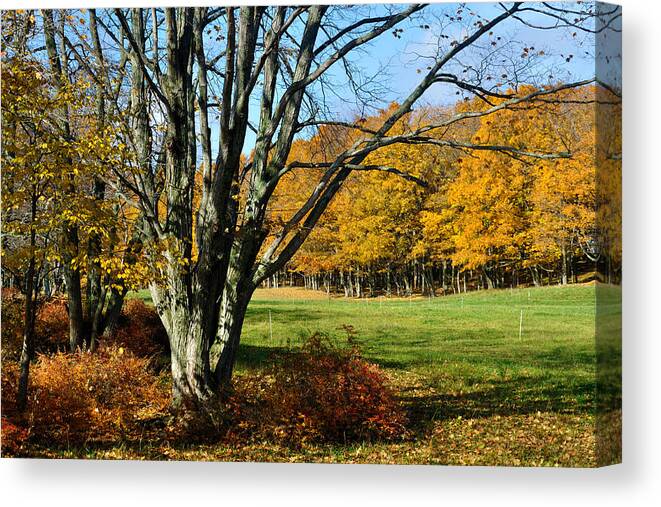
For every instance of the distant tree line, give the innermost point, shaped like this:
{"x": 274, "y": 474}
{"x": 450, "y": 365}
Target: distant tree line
{"x": 462, "y": 221}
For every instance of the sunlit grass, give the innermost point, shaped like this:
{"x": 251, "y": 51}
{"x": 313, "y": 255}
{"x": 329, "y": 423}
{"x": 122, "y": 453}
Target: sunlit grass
{"x": 469, "y": 342}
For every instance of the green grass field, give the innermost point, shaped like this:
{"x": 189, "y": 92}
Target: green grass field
{"x": 481, "y": 384}
{"x": 468, "y": 343}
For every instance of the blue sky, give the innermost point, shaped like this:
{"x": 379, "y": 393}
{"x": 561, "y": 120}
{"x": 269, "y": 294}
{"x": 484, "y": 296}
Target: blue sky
{"x": 394, "y": 62}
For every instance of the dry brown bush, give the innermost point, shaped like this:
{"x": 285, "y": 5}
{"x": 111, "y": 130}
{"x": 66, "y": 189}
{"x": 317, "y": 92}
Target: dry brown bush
{"x": 81, "y": 397}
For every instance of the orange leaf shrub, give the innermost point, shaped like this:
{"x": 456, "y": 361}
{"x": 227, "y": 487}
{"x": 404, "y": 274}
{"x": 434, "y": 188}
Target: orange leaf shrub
{"x": 325, "y": 393}
{"x": 12, "y": 437}
{"x": 102, "y": 396}
{"x": 322, "y": 393}
{"x": 140, "y": 330}
{"x": 13, "y": 433}
{"x": 52, "y": 326}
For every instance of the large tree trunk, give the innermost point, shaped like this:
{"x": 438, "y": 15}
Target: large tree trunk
{"x": 204, "y": 340}
{"x": 191, "y": 377}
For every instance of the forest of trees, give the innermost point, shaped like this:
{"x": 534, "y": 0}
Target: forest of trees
{"x": 126, "y": 164}
{"x": 459, "y": 221}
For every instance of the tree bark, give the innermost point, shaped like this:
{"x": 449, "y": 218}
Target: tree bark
{"x": 31, "y": 289}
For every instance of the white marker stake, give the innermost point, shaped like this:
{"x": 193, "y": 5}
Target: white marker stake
{"x": 520, "y": 324}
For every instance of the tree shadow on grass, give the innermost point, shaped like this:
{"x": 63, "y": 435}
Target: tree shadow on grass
{"x": 256, "y": 357}
{"x": 502, "y": 398}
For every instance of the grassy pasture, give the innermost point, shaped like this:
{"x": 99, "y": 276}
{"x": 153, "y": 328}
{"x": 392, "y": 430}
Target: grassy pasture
{"x": 481, "y": 385}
